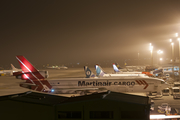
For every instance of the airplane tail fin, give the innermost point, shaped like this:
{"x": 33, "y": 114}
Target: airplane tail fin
{"x": 99, "y": 71}
{"x": 115, "y": 68}
{"x": 32, "y": 76}
{"x": 13, "y": 68}
{"x": 88, "y": 72}
{"x": 118, "y": 66}
{"x": 25, "y": 65}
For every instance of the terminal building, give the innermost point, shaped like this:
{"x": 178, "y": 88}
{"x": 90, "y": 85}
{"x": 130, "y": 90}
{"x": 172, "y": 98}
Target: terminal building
{"x": 40, "y": 106}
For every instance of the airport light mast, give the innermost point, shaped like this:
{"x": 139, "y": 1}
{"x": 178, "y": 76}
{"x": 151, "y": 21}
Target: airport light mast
{"x": 158, "y": 53}
{"x": 172, "y": 44}
{"x": 151, "y": 50}
{"x": 179, "y": 58}
{"x": 138, "y": 58}
{"x": 160, "y": 60}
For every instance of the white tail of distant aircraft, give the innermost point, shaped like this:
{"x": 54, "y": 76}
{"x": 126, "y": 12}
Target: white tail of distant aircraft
{"x": 116, "y": 68}
{"x": 35, "y": 81}
{"x": 15, "y": 69}
{"x": 10, "y": 71}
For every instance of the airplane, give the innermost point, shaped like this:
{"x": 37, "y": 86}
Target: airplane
{"x": 35, "y": 81}
{"x": 117, "y": 70}
{"x": 101, "y": 73}
{"x": 15, "y": 69}
{"x": 123, "y": 69}
{"x": 90, "y": 74}
{"x": 10, "y": 71}
{"x": 52, "y": 67}
{"x": 62, "y": 67}
{"x": 58, "y": 67}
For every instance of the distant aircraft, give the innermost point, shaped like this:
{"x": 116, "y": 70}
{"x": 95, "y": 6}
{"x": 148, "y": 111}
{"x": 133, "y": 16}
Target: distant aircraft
{"x": 101, "y": 73}
{"x": 10, "y": 71}
{"x": 58, "y": 67}
{"x": 15, "y": 69}
{"x": 123, "y": 69}
{"x": 119, "y": 71}
{"x": 62, "y": 67}
{"x": 35, "y": 81}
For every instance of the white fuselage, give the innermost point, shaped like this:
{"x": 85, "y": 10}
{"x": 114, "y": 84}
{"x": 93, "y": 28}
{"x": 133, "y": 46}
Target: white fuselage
{"x": 118, "y": 75}
{"x": 62, "y": 67}
{"x": 58, "y": 67}
{"x": 130, "y": 72}
{"x": 112, "y": 84}
{"x": 10, "y": 71}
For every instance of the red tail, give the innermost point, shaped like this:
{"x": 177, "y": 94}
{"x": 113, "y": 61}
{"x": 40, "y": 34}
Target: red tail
{"x": 32, "y": 75}
{"x": 25, "y": 64}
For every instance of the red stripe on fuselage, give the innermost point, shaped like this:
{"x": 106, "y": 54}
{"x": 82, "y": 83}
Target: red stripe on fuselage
{"x": 141, "y": 82}
{"x": 138, "y": 82}
{"x": 145, "y": 84}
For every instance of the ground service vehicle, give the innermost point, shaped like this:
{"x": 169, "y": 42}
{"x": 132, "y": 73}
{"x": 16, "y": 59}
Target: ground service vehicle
{"x": 165, "y": 92}
{"x": 175, "y": 92}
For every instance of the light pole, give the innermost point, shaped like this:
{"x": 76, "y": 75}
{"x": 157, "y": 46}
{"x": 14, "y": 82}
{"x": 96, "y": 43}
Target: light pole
{"x": 138, "y": 58}
{"x": 151, "y": 50}
{"x": 172, "y": 44}
{"x": 158, "y": 53}
{"x": 179, "y": 58}
{"x": 160, "y": 60}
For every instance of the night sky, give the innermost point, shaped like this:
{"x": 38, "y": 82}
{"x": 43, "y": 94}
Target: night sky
{"x": 86, "y": 31}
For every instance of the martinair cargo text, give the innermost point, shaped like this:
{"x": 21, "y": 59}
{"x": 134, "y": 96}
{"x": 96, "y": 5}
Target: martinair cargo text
{"x": 35, "y": 81}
